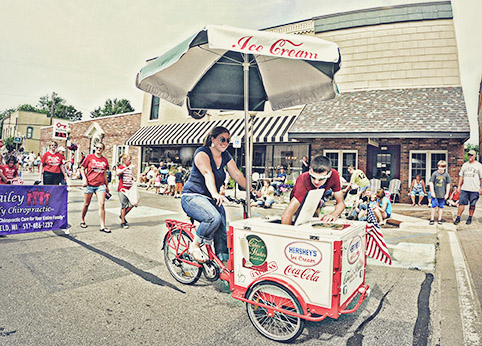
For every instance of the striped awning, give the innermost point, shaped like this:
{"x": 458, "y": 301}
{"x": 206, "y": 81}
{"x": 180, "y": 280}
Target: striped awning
{"x": 265, "y": 130}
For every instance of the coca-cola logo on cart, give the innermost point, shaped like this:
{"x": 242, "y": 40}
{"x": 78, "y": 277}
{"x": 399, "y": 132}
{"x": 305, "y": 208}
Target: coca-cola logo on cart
{"x": 303, "y": 254}
{"x": 308, "y": 274}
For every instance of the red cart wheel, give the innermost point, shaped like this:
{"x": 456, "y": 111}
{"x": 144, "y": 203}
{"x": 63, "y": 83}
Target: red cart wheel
{"x": 272, "y": 324}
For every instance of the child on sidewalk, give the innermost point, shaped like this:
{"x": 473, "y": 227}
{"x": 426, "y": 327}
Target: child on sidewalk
{"x": 439, "y": 188}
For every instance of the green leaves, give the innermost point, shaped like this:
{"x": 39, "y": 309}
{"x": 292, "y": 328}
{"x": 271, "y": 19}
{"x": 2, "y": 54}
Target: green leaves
{"x": 112, "y": 107}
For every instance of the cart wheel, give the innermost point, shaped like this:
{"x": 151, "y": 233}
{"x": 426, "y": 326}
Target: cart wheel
{"x": 183, "y": 272}
{"x": 275, "y": 325}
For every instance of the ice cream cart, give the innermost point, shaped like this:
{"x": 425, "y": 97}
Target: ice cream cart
{"x": 296, "y": 273}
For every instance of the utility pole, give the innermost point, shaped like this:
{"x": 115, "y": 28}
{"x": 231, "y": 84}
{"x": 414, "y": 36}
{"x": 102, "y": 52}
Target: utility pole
{"x": 479, "y": 117}
{"x": 52, "y": 108}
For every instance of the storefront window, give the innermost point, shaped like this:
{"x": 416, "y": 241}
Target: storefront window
{"x": 341, "y": 160}
{"x": 425, "y": 163}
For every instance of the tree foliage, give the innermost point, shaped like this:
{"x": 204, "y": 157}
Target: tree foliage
{"x": 112, "y": 107}
{"x": 9, "y": 144}
{"x": 60, "y": 108}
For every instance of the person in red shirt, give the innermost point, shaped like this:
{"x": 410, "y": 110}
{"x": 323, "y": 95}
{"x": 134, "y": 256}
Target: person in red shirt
{"x": 52, "y": 168}
{"x": 94, "y": 180}
{"x": 10, "y": 169}
{"x": 3, "y": 178}
{"x": 320, "y": 175}
{"x": 124, "y": 172}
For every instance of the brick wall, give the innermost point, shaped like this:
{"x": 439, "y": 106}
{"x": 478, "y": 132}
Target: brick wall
{"x": 454, "y": 148}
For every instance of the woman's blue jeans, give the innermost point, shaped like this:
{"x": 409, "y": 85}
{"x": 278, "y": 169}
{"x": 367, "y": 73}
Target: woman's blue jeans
{"x": 212, "y": 222}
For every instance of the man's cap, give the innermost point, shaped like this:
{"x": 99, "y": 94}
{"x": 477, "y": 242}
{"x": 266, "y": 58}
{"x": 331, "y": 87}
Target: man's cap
{"x": 472, "y": 152}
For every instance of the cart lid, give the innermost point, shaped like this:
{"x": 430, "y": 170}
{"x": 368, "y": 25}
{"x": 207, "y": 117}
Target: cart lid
{"x": 308, "y": 206}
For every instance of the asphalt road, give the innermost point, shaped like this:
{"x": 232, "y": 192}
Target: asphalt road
{"x": 92, "y": 288}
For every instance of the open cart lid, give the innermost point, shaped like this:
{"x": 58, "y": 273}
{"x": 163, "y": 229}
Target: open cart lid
{"x": 308, "y": 206}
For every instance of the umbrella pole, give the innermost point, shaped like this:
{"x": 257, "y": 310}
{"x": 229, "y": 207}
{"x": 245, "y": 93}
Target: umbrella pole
{"x": 247, "y": 158}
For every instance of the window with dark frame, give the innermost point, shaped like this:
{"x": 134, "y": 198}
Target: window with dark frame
{"x": 154, "y": 108}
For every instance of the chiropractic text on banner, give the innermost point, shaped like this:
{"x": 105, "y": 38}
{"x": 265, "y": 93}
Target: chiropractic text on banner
{"x": 35, "y": 208}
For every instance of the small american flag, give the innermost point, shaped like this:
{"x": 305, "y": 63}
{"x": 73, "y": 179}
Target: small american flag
{"x": 376, "y": 247}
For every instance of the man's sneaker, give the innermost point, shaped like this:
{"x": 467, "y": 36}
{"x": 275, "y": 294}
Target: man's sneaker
{"x": 439, "y": 222}
{"x": 431, "y": 222}
{"x": 457, "y": 220}
{"x": 124, "y": 225}
{"x": 469, "y": 220}
{"x": 66, "y": 232}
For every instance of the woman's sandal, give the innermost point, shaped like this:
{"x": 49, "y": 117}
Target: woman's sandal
{"x": 83, "y": 225}
{"x": 197, "y": 254}
{"x": 105, "y": 230}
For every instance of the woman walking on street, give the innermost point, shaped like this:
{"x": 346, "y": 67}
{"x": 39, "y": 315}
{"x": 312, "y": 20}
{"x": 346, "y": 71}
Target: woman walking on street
{"x": 124, "y": 172}
{"x": 94, "y": 180}
{"x": 52, "y": 168}
{"x": 201, "y": 198}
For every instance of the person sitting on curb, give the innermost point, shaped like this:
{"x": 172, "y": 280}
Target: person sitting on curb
{"x": 417, "y": 188}
{"x": 453, "y": 199}
{"x": 383, "y": 209}
{"x": 360, "y": 205}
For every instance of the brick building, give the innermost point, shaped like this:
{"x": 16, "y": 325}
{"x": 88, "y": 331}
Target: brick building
{"x": 112, "y": 130}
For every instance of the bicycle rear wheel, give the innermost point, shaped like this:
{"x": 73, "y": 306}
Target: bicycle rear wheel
{"x": 176, "y": 247}
{"x": 272, "y": 324}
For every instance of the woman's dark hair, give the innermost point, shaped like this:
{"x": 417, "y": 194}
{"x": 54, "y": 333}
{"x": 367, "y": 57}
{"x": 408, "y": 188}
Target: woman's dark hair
{"x": 11, "y": 158}
{"x": 380, "y": 193}
{"x": 214, "y": 133}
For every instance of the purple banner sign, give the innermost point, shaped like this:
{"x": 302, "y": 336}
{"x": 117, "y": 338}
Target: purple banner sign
{"x": 35, "y": 208}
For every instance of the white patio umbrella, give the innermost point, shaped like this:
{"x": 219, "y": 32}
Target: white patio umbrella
{"x": 228, "y": 68}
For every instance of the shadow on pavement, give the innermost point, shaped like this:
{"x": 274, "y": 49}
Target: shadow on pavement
{"x": 133, "y": 269}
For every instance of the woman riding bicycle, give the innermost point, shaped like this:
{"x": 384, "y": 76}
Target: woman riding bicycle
{"x": 201, "y": 198}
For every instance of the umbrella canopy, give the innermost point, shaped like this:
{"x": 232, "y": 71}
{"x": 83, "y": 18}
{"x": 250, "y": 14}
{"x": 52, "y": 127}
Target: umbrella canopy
{"x": 287, "y": 70}
{"x": 228, "y": 68}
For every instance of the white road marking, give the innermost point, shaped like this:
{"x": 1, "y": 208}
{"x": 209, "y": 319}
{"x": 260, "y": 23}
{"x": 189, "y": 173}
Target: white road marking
{"x": 141, "y": 212}
{"x": 466, "y": 295}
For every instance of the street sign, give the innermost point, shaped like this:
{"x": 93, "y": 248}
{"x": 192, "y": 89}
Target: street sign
{"x": 17, "y": 140}
{"x": 59, "y": 130}
{"x": 236, "y": 140}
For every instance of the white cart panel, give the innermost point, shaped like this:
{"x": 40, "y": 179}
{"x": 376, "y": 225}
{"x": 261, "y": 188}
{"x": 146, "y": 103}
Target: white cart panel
{"x": 301, "y": 255}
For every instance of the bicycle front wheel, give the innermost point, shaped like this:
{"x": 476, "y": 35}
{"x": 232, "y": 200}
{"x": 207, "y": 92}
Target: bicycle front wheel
{"x": 176, "y": 245}
{"x": 272, "y": 324}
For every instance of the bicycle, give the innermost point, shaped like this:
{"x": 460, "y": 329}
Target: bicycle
{"x": 181, "y": 264}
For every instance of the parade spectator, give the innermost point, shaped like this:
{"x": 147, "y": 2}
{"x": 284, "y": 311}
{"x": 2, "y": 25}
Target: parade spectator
{"x": 151, "y": 177}
{"x": 320, "y": 175}
{"x": 157, "y": 183}
{"x": 52, "y": 168}
{"x": 360, "y": 204}
{"x": 439, "y": 186}
{"x": 453, "y": 199}
{"x": 31, "y": 160}
{"x": 3, "y": 178}
{"x": 94, "y": 180}
{"x": 470, "y": 181}
{"x": 124, "y": 173}
{"x": 61, "y": 152}
{"x": 179, "y": 181}
{"x": 359, "y": 179}
{"x": 266, "y": 199}
{"x": 417, "y": 188}
{"x": 201, "y": 198}
{"x": 10, "y": 169}
{"x": 383, "y": 209}
{"x": 171, "y": 183}
{"x": 36, "y": 163}
{"x": 305, "y": 164}
{"x": 372, "y": 203}
{"x": 280, "y": 179}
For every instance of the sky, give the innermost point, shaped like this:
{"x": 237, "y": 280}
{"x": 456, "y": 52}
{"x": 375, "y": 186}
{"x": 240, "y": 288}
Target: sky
{"x": 91, "y": 50}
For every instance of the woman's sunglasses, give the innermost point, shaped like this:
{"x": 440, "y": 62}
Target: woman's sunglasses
{"x": 224, "y": 140}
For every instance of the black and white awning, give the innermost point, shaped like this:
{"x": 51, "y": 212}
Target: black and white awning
{"x": 272, "y": 129}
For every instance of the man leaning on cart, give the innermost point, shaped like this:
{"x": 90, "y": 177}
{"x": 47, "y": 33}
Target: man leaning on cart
{"x": 319, "y": 176}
